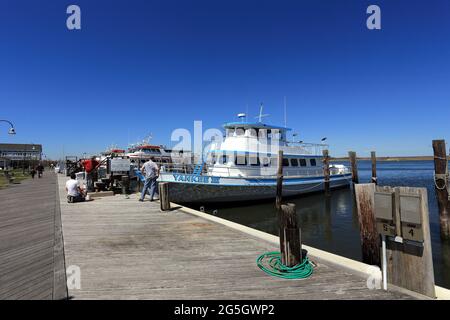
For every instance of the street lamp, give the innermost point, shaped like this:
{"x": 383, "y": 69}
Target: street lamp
{"x": 11, "y": 130}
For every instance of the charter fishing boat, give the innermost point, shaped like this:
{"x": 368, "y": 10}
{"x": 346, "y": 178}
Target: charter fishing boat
{"x": 243, "y": 167}
{"x": 160, "y": 154}
{"x": 147, "y": 151}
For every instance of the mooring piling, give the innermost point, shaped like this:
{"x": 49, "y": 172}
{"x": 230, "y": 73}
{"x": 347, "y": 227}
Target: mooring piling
{"x": 279, "y": 194}
{"x": 367, "y": 225}
{"x": 326, "y": 171}
{"x": 290, "y": 239}
{"x": 164, "y": 196}
{"x": 441, "y": 178}
{"x": 354, "y": 166}
{"x": 373, "y": 157}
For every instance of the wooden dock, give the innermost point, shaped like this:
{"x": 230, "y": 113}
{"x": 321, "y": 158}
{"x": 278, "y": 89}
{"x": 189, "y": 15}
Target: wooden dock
{"x": 127, "y": 249}
{"x": 31, "y": 250}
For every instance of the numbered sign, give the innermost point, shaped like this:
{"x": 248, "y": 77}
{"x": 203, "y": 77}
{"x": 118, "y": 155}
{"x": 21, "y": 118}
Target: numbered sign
{"x": 384, "y": 213}
{"x": 411, "y": 217}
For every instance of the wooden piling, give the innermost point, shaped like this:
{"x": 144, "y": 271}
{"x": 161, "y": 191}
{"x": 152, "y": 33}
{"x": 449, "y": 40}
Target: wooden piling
{"x": 326, "y": 172}
{"x": 279, "y": 194}
{"x": 370, "y": 240}
{"x": 290, "y": 242}
{"x": 373, "y": 156}
{"x": 164, "y": 196}
{"x": 441, "y": 185}
{"x": 125, "y": 183}
{"x": 410, "y": 266}
{"x": 352, "y": 157}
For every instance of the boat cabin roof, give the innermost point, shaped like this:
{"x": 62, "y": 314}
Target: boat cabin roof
{"x": 253, "y": 125}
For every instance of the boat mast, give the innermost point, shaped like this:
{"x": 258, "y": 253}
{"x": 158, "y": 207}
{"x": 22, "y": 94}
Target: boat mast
{"x": 261, "y": 115}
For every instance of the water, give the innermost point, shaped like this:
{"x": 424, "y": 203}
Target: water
{"x": 331, "y": 224}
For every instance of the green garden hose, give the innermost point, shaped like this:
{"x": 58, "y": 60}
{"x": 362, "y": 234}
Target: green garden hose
{"x": 275, "y": 268}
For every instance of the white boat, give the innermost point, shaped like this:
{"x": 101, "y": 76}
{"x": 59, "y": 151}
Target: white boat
{"x": 143, "y": 151}
{"x": 147, "y": 151}
{"x": 244, "y": 166}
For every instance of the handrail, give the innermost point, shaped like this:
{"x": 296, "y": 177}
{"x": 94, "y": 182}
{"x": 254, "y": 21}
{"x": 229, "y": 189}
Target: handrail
{"x": 228, "y": 171}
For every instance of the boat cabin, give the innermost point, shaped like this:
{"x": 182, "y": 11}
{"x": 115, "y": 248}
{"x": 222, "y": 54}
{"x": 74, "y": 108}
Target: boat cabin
{"x": 251, "y": 149}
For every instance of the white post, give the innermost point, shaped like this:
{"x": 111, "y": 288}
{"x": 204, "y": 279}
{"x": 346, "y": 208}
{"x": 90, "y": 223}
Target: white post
{"x": 383, "y": 253}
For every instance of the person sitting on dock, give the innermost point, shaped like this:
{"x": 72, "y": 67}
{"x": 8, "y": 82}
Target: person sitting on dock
{"x": 74, "y": 191}
{"x": 151, "y": 171}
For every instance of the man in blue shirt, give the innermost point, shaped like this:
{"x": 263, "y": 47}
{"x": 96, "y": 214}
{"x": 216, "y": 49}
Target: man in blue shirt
{"x": 151, "y": 171}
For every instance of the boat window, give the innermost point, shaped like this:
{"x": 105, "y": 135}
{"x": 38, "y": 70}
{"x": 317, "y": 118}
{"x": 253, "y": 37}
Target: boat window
{"x": 262, "y": 134}
{"x": 230, "y": 132}
{"x": 285, "y": 162}
{"x": 240, "y": 131}
{"x": 225, "y": 159}
{"x": 251, "y": 132}
{"x": 211, "y": 158}
{"x": 313, "y": 162}
{"x": 253, "y": 159}
{"x": 276, "y": 134}
{"x": 303, "y": 162}
{"x": 294, "y": 162}
{"x": 240, "y": 160}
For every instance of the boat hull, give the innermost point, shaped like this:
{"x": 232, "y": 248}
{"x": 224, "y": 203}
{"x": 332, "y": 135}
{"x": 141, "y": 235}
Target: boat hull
{"x": 206, "y": 189}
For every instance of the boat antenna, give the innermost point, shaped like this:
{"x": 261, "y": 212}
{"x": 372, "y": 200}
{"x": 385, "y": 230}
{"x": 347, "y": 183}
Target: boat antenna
{"x": 261, "y": 115}
{"x": 285, "y": 118}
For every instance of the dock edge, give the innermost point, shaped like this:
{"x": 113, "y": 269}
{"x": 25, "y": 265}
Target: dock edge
{"x": 355, "y": 267}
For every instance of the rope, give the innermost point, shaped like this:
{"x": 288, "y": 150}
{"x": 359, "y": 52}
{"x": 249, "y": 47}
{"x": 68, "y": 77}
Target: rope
{"x": 443, "y": 177}
{"x": 270, "y": 263}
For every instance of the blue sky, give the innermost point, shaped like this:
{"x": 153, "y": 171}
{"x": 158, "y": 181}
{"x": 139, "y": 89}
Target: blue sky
{"x": 137, "y": 67}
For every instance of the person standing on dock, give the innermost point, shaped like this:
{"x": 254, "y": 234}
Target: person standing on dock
{"x": 33, "y": 172}
{"x": 90, "y": 167}
{"x": 151, "y": 171}
{"x": 40, "y": 170}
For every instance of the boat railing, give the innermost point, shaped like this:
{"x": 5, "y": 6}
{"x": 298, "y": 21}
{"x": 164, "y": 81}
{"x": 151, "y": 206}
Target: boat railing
{"x": 191, "y": 168}
{"x": 307, "y": 148}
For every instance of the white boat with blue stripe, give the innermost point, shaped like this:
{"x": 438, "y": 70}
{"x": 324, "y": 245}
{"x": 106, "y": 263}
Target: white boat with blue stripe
{"x": 243, "y": 167}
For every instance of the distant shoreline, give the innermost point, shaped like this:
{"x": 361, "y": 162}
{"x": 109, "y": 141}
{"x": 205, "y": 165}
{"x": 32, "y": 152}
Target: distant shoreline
{"x": 392, "y": 159}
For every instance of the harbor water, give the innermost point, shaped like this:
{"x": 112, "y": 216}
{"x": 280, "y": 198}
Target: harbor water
{"x": 331, "y": 224}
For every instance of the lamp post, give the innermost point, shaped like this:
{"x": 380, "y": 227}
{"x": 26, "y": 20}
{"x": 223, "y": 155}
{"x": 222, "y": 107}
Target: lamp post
{"x": 11, "y": 130}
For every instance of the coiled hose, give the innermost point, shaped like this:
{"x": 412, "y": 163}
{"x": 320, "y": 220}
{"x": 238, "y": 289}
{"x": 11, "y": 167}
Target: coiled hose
{"x": 270, "y": 263}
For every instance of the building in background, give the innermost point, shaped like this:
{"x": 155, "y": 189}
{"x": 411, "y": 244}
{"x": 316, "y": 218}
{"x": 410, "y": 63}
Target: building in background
{"x": 20, "y": 155}
{"x": 4, "y": 163}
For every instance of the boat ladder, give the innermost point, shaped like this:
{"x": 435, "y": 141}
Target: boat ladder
{"x": 198, "y": 168}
